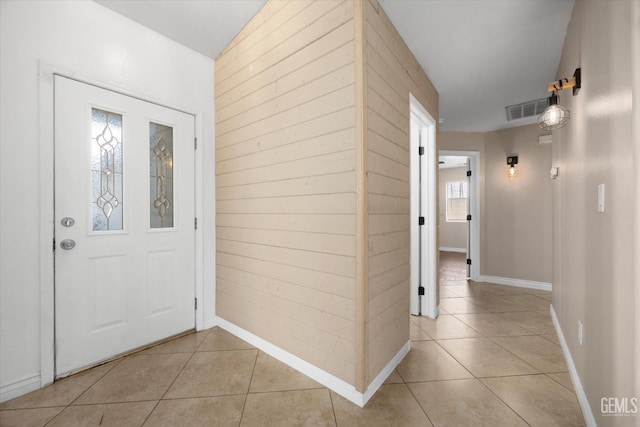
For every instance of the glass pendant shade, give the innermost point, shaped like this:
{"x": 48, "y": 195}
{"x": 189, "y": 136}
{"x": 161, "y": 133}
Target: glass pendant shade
{"x": 554, "y": 116}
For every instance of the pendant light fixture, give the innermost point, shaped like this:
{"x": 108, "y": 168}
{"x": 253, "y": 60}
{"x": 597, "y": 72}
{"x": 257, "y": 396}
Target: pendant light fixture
{"x": 555, "y": 116}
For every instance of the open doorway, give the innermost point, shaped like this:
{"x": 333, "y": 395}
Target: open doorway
{"x": 453, "y": 189}
{"x": 458, "y": 216}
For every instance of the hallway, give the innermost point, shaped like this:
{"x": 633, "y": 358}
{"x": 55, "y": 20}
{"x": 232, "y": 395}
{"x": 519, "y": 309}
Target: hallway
{"x": 492, "y": 358}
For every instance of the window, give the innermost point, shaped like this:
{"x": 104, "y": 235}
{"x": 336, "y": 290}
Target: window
{"x": 457, "y": 196}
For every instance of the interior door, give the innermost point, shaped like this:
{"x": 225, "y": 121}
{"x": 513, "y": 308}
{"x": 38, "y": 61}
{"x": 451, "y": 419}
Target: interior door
{"x": 124, "y": 224}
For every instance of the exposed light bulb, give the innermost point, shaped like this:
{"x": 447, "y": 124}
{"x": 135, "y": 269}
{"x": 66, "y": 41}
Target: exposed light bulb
{"x": 512, "y": 171}
{"x": 553, "y": 115}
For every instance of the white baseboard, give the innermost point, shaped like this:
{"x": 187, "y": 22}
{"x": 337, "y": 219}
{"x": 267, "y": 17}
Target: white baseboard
{"x": 587, "y": 414}
{"x": 210, "y": 323}
{"x": 388, "y": 369}
{"x": 543, "y": 286}
{"x": 448, "y": 249}
{"x": 20, "y": 387}
{"x": 328, "y": 380}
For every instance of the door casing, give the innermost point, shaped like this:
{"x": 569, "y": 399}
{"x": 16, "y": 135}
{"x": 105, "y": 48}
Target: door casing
{"x": 474, "y": 202}
{"x": 423, "y": 253}
{"x": 46, "y": 185}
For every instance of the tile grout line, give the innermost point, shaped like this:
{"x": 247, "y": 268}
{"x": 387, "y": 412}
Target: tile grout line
{"x": 246, "y": 396}
{"x": 333, "y": 408}
{"x": 177, "y": 375}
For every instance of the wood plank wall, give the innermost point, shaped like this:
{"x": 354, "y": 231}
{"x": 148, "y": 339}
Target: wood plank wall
{"x": 285, "y": 181}
{"x": 392, "y": 73}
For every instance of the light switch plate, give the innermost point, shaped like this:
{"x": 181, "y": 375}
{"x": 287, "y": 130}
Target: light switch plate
{"x": 601, "y": 198}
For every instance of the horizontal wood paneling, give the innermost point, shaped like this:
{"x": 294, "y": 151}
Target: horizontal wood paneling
{"x": 341, "y": 182}
{"x": 379, "y": 224}
{"x": 326, "y": 326}
{"x": 332, "y": 224}
{"x": 285, "y": 182}
{"x": 313, "y": 242}
{"x": 278, "y": 331}
{"x": 283, "y": 71}
{"x": 392, "y": 74}
{"x": 248, "y": 114}
{"x": 381, "y": 282}
{"x": 324, "y": 104}
{"x": 333, "y": 304}
{"x": 257, "y": 61}
{"x": 282, "y": 269}
{"x": 381, "y": 243}
{"x": 315, "y": 204}
{"x": 308, "y": 131}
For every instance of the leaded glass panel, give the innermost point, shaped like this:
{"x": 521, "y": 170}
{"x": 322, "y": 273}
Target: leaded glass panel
{"x": 161, "y": 175}
{"x": 106, "y": 171}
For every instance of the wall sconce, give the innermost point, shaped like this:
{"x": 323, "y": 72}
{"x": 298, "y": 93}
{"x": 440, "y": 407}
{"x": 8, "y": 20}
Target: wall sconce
{"x": 555, "y": 116}
{"x": 513, "y": 171}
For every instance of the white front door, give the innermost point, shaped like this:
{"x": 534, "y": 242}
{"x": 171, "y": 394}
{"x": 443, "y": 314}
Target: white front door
{"x": 124, "y": 224}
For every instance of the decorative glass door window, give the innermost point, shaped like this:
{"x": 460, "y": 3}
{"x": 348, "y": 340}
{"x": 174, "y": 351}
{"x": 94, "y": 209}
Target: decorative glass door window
{"x": 106, "y": 170}
{"x": 161, "y": 175}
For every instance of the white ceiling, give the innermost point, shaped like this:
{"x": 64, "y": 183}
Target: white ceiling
{"x": 481, "y": 55}
{"x": 452, "y": 162}
{"x": 206, "y": 26}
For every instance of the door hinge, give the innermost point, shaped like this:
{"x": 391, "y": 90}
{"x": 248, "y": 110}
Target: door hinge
{"x": 196, "y": 305}
{"x": 421, "y": 151}
{"x": 195, "y": 223}
{"x": 54, "y": 244}
{"x": 420, "y": 290}
{"x": 195, "y": 143}
{"x": 468, "y": 173}
{"x": 468, "y": 261}
{"x": 468, "y": 217}
{"x": 420, "y": 220}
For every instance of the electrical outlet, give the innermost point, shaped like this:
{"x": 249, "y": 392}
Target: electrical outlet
{"x": 580, "y": 332}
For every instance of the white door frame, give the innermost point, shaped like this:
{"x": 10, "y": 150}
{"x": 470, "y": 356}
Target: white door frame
{"x": 474, "y": 201}
{"x": 46, "y": 182}
{"x": 423, "y": 199}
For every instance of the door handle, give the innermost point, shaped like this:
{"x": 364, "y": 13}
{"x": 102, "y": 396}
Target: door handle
{"x": 67, "y": 244}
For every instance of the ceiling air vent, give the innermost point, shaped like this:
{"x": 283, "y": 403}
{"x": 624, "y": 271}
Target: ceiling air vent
{"x": 526, "y": 109}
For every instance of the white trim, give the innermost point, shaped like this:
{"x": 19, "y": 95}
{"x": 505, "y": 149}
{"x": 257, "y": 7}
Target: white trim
{"x": 474, "y": 193}
{"x": 20, "y": 387}
{"x": 46, "y": 167}
{"x": 635, "y": 136}
{"x": 328, "y": 380}
{"x": 587, "y": 414}
{"x": 386, "y": 371}
{"x": 427, "y": 194}
{"x": 210, "y": 323}
{"x": 457, "y": 250}
{"x": 543, "y": 286}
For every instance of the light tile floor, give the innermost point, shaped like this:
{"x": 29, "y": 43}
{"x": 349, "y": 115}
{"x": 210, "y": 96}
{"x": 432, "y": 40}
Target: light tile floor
{"x": 491, "y": 359}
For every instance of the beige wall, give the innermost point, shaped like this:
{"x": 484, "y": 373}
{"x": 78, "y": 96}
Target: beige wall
{"x": 392, "y": 73}
{"x": 515, "y": 213}
{"x": 452, "y": 234}
{"x": 594, "y": 253}
{"x": 285, "y": 181}
{"x": 312, "y": 183}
